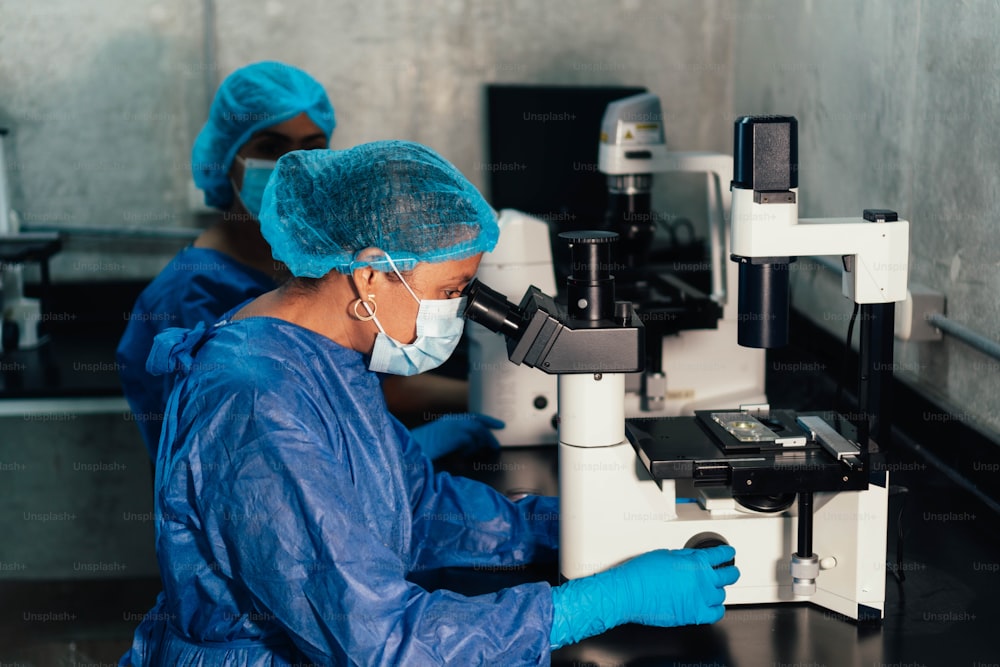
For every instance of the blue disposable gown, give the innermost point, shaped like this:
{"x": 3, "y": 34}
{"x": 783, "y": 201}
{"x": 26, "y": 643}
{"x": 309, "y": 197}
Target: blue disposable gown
{"x": 291, "y": 506}
{"x": 199, "y": 285}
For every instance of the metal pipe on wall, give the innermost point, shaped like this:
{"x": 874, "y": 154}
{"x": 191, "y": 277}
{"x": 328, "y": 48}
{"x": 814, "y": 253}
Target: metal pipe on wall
{"x": 948, "y": 326}
{"x": 971, "y": 338}
{"x": 143, "y": 232}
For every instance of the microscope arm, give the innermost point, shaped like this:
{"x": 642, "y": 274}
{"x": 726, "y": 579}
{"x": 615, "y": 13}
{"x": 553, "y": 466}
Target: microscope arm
{"x": 877, "y": 274}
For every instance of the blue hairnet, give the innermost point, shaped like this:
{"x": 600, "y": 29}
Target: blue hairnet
{"x": 250, "y": 99}
{"x": 321, "y": 207}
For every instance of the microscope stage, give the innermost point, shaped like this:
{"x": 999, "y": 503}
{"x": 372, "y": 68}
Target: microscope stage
{"x": 701, "y": 449}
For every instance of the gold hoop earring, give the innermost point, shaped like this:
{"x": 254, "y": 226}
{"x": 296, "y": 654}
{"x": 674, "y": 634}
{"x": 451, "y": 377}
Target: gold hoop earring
{"x": 371, "y": 309}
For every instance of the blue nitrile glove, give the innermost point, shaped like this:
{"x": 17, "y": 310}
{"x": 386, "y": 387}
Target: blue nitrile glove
{"x": 663, "y": 588}
{"x": 465, "y": 433}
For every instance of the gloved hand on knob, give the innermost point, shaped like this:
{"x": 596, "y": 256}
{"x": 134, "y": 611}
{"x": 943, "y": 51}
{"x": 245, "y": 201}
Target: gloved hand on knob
{"x": 662, "y": 588}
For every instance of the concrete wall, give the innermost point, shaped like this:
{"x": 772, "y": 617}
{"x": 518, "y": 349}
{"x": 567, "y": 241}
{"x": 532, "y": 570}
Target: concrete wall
{"x": 104, "y": 99}
{"x": 897, "y": 108}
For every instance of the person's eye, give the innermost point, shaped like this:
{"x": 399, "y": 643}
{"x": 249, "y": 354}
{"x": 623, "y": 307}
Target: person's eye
{"x": 452, "y": 293}
{"x": 267, "y": 149}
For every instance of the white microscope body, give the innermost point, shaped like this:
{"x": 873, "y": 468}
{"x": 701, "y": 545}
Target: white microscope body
{"x": 612, "y": 508}
{"x": 806, "y": 511}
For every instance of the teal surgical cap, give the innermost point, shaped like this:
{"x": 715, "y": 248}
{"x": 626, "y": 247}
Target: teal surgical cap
{"x": 322, "y": 207}
{"x": 250, "y": 99}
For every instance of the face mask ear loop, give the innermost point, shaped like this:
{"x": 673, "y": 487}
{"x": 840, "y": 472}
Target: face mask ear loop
{"x": 239, "y": 197}
{"x": 396, "y": 271}
{"x": 375, "y": 319}
{"x": 238, "y": 158}
{"x": 236, "y": 190}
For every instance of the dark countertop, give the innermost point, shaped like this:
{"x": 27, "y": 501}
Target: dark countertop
{"x": 943, "y": 613}
{"x": 81, "y": 325}
{"x": 62, "y": 367}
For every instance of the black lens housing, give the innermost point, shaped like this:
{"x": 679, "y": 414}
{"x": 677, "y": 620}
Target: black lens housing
{"x": 490, "y": 308}
{"x": 762, "y": 321}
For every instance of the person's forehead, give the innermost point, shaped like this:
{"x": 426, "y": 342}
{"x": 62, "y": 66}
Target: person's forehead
{"x": 459, "y": 270}
{"x": 299, "y": 126}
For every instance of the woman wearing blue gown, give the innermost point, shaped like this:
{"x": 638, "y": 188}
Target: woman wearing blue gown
{"x": 291, "y": 506}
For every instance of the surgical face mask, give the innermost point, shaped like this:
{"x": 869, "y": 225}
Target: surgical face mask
{"x": 255, "y": 175}
{"x": 439, "y": 328}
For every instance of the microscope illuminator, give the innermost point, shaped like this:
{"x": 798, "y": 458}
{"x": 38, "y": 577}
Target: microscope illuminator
{"x": 767, "y": 234}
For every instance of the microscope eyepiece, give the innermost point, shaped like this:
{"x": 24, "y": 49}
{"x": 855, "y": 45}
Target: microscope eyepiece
{"x": 590, "y": 287}
{"x": 491, "y": 309}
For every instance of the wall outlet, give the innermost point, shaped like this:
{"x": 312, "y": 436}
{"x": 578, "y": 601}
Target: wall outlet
{"x": 911, "y": 314}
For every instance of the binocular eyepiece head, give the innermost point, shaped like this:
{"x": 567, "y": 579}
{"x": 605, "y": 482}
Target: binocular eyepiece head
{"x": 590, "y": 287}
{"x": 488, "y": 307}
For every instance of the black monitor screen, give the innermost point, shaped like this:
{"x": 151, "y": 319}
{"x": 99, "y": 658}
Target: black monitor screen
{"x": 543, "y": 143}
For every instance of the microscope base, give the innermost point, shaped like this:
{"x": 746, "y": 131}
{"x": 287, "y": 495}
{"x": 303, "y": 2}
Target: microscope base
{"x": 613, "y": 510}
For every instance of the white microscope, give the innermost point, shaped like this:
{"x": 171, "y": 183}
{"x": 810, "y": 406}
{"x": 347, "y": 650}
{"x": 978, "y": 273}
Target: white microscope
{"x": 691, "y": 362}
{"x": 798, "y": 495}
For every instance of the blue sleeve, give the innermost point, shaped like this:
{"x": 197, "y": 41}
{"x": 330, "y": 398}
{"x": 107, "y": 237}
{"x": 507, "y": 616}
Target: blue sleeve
{"x": 198, "y": 285}
{"x": 459, "y": 522}
{"x": 282, "y": 519}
